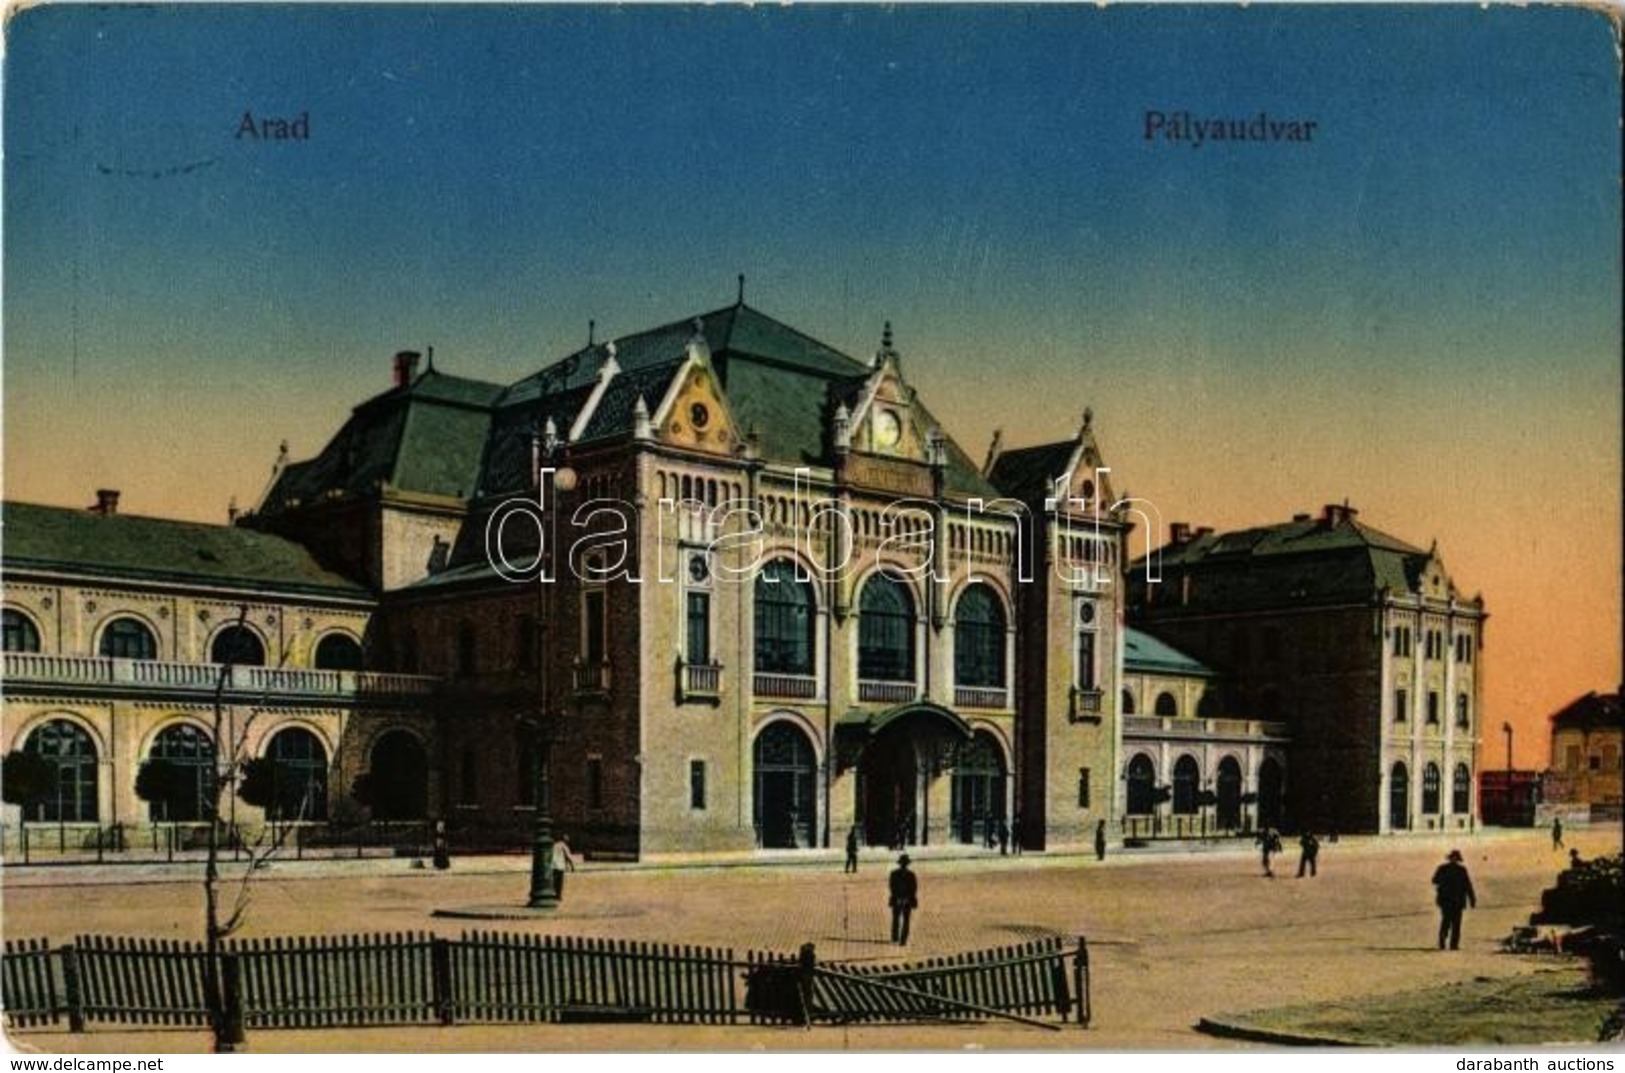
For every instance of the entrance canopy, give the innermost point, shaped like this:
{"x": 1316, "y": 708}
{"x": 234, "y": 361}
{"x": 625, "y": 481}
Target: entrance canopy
{"x": 938, "y": 731}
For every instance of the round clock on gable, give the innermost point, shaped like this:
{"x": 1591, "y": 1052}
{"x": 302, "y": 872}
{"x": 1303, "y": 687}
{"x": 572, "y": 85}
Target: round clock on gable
{"x": 699, "y": 416}
{"x": 888, "y": 429}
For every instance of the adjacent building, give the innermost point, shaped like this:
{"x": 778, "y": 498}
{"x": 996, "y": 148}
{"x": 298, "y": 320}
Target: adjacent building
{"x": 1354, "y": 642}
{"x": 1587, "y": 755}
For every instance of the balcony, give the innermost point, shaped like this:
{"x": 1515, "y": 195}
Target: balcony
{"x": 70, "y": 673}
{"x": 888, "y": 692}
{"x": 791, "y": 686}
{"x": 1085, "y": 707}
{"x": 590, "y": 677}
{"x": 699, "y": 681}
{"x": 981, "y": 697}
{"x": 1163, "y": 726}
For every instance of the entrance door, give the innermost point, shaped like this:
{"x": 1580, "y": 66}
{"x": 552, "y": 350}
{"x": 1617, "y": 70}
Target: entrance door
{"x": 1269, "y": 793}
{"x": 978, "y": 790}
{"x": 887, "y": 784}
{"x": 786, "y": 810}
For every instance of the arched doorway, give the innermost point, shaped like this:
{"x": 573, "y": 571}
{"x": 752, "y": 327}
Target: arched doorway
{"x": 70, "y": 753}
{"x": 977, "y": 790}
{"x": 1269, "y": 792}
{"x": 1399, "y": 797}
{"x": 1229, "y": 794}
{"x": 785, "y": 802}
{"x": 888, "y": 780}
{"x": 398, "y": 778}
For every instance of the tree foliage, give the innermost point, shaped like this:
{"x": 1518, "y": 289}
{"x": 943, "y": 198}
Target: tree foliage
{"x": 26, "y": 779}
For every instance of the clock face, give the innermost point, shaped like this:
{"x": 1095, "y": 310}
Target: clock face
{"x": 698, "y": 415}
{"x": 1086, "y": 614}
{"x": 697, "y": 570}
{"x": 888, "y": 429}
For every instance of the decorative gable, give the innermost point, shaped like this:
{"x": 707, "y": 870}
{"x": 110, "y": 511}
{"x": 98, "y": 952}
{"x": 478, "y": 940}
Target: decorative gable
{"x": 694, "y": 413}
{"x": 886, "y": 421}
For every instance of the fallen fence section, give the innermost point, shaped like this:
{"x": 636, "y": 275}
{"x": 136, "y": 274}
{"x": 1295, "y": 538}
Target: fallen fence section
{"x": 492, "y": 978}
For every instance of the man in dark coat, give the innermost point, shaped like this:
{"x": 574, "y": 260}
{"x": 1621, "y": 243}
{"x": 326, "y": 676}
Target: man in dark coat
{"x": 1454, "y": 892}
{"x": 1309, "y": 846}
{"x": 852, "y": 849}
{"x": 904, "y": 888}
{"x": 1100, "y": 841}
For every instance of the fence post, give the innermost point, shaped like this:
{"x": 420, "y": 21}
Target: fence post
{"x": 806, "y": 967}
{"x": 440, "y": 970}
{"x": 73, "y": 994}
{"x": 1080, "y": 981}
{"x": 231, "y": 987}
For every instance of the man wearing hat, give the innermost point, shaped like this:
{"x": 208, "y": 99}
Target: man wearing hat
{"x": 904, "y": 886}
{"x": 1454, "y": 892}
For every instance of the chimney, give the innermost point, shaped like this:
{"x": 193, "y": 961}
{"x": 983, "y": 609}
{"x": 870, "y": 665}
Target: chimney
{"x": 1204, "y": 531}
{"x": 406, "y": 367}
{"x": 1335, "y": 514}
{"x": 1179, "y": 532}
{"x": 106, "y": 502}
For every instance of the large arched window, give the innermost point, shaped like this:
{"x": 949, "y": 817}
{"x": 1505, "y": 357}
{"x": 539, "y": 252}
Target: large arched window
{"x": 128, "y": 638}
{"x": 1461, "y": 790}
{"x": 237, "y": 645}
{"x": 66, "y": 747}
{"x": 1187, "y": 776}
{"x": 299, "y": 773}
{"x": 1430, "y": 789}
{"x": 1399, "y": 796}
{"x": 1167, "y": 705}
{"x": 1142, "y": 786}
{"x": 784, "y": 620}
{"x": 979, "y": 639}
{"x": 339, "y": 652}
{"x": 886, "y": 631}
{"x": 1229, "y": 793}
{"x": 186, "y": 792}
{"x": 21, "y": 635}
{"x": 976, "y": 796}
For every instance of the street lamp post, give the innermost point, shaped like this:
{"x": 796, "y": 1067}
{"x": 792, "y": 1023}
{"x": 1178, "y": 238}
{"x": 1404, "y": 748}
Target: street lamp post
{"x": 1506, "y": 728}
{"x": 543, "y": 894}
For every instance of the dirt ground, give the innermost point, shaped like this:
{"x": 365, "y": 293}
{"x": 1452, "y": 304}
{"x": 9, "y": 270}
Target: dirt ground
{"x": 1174, "y": 936}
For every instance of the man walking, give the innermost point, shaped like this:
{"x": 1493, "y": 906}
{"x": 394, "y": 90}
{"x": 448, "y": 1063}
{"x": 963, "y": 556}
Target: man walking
{"x": 1454, "y": 892}
{"x": 904, "y": 888}
{"x": 852, "y": 849}
{"x": 1100, "y": 841}
{"x": 1557, "y": 832}
{"x": 563, "y": 861}
{"x": 1309, "y": 847}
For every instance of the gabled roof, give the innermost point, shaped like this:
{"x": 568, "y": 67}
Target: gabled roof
{"x": 1594, "y": 711}
{"x": 124, "y": 546}
{"x": 1028, "y": 473}
{"x": 426, "y": 436}
{"x": 1147, "y": 655}
{"x": 1304, "y": 562}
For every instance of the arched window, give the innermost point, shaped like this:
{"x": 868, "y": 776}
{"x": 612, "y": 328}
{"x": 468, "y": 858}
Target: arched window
{"x": 979, "y": 639}
{"x": 1271, "y": 787}
{"x": 1166, "y": 705}
{"x": 128, "y": 638}
{"x": 68, "y": 748}
{"x": 1461, "y": 790}
{"x": 338, "y": 652}
{"x": 1142, "y": 786}
{"x": 1229, "y": 793}
{"x": 784, "y": 620}
{"x": 21, "y": 635}
{"x": 1186, "y": 779}
{"x": 976, "y": 794}
{"x": 237, "y": 645}
{"x": 1399, "y": 796}
{"x": 299, "y": 766}
{"x": 1430, "y": 789}
{"x": 1128, "y": 702}
{"x": 187, "y": 793}
{"x": 1462, "y": 720}
{"x": 886, "y": 631}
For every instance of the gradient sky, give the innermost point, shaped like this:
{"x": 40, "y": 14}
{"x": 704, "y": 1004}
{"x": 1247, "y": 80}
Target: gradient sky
{"x": 1419, "y": 310}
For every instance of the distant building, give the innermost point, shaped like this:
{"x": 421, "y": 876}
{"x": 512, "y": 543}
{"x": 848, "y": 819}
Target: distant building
{"x": 1509, "y": 798}
{"x": 1587, "y": 755}
{"x": 1355, "y": 641}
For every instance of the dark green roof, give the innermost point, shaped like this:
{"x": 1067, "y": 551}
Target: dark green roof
{"x": 426, "y": 436}
{"x": 156, "y": 549}
{"x": 1146, "y": 654}
{"x": 1304, "y": 562}
{"x": 1028, "y": 473}
{"x": 1593, "y": 711}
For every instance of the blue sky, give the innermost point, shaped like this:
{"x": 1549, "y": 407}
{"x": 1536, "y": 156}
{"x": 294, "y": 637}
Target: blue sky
{"x": 1419, "y": 309}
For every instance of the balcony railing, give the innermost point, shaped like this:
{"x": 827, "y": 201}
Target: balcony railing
{"x": 590, "y": 677}
{"x": 794, "y": 686}
{"x": 158, "y": 676}
{"x": 699, "y": 681}
{"x": 981, "y": 697}
{"x": 1181, "y": 727}
{"x": 1085, "y": 706}
{"x": 888, "y": 692}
